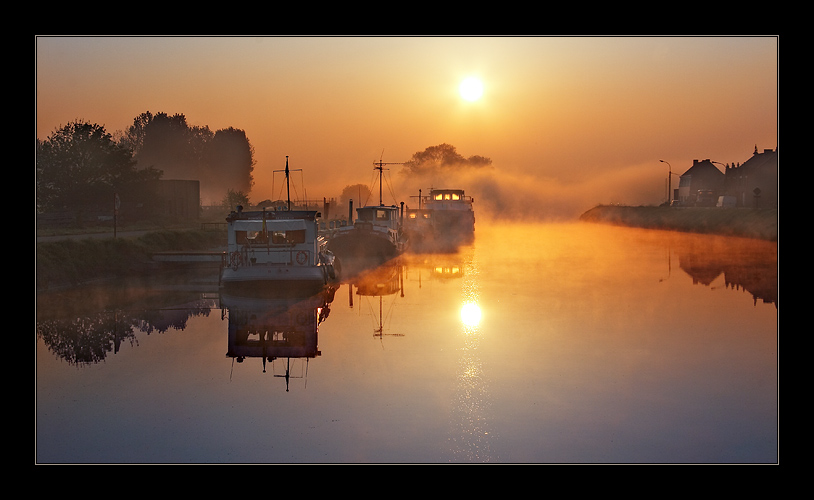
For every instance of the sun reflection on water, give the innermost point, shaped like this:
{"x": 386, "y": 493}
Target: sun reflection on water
{"x": 470, "y": 314}
{"x": 470, "y": 438}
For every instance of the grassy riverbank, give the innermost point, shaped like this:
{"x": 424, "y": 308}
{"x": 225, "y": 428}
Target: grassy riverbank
{"x": 76, "y": 261}
{"x": 744, "y": 222}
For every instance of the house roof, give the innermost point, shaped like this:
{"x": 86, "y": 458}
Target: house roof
{"x": 703, "y": 168}
{"x": 759, "y": 161}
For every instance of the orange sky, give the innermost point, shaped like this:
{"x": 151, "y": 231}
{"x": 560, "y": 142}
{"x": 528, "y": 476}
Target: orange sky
{"x": 576, "y": 120}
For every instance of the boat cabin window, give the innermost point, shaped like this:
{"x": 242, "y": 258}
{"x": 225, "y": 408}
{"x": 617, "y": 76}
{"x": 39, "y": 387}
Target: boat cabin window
{"x": 249, "y": 237}
{"x": 447, "y": 196}
{"x": 374, "y": 215}
{"x": 291, "y": 237}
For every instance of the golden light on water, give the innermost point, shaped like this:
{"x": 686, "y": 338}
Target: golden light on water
{"x": 470, "y": 314}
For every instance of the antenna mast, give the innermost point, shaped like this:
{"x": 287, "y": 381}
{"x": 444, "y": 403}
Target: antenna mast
{"x": 287, "y": 184}
{"x": 379, "y": 165}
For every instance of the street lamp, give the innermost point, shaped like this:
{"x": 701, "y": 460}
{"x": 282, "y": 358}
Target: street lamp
{"x": 669, "y": 182}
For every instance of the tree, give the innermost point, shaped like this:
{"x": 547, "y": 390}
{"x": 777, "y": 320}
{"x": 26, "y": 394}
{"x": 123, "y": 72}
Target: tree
{"x": 169, "y": 144}
{"x": 221, "y": 160}
{"x": 358, "y": 192}
{"x": 229, "y": 159}
{"x": 233, "y": 199}
{"x": 80, "y": 165}
{"x": 442, "y": 157}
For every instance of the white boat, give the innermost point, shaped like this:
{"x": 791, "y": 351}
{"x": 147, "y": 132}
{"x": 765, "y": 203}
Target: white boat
{"x": 444, "y": 218}
{"x": 376, "y": 233}
{"x": 281, "y": 249}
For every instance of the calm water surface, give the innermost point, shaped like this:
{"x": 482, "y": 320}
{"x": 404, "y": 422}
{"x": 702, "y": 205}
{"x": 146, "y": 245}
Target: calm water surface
{"x": 540, "y": 343}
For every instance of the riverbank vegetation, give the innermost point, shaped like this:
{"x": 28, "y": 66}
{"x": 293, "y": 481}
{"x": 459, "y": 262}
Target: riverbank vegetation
{"x": 75, "y": 261}
{"x": 743, "y": 222}
{"x": 81, "y": 166}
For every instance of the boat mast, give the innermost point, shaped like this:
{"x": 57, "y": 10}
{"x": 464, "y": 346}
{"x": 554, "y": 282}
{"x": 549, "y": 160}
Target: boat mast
{"x": 287, "y": 183}
{"x": 380, "y": 167}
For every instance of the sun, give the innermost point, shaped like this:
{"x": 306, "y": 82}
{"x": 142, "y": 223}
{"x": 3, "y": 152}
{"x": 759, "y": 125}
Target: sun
{"x": 471, "y": 89}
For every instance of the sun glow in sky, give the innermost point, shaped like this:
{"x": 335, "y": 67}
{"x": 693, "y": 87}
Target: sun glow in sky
{"x": 471, "y": 88}
{"x": 568, "y": 122}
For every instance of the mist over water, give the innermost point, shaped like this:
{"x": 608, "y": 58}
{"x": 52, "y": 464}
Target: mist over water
{"x": 539, "y": 343}
{"x": 506, "y": 194}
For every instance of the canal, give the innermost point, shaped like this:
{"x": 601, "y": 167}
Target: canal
{"x": 538, "y": 343}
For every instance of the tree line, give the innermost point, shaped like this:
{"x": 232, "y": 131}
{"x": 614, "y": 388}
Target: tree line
{"x": 81, "y": 164}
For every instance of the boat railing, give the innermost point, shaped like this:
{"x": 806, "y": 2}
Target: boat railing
{"x": 246, "y": 257}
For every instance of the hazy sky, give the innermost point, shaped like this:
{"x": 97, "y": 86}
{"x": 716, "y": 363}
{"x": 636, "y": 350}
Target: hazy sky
{"x": 568, "y": 122}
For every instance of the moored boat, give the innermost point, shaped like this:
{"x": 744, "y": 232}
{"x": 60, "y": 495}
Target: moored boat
{"x": 280, "y": 250}
{"x": 376, "y": 234}
{"x": 444, "y": 219}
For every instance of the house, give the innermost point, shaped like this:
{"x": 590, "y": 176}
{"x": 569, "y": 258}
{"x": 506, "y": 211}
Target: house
{"x": 754, "y": 183}
{"x": 701, "y": 184}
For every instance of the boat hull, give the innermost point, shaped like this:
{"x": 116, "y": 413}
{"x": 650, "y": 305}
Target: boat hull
{"x": 446, "y": 232}
{"x": 361, "y": 244}
{"x": 278, "y": 278}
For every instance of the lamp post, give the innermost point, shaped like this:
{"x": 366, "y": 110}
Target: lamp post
{"x": 669, "y": 182}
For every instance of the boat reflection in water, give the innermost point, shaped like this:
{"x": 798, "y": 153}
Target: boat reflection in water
{"x": 379, "y": 282}
{"x": 274, "y": 327}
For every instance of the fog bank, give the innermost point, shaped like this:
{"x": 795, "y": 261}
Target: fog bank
{"x": 504, "y": 194}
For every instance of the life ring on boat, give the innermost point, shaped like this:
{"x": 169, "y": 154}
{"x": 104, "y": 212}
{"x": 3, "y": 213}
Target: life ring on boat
{"x": 302, "y": 257}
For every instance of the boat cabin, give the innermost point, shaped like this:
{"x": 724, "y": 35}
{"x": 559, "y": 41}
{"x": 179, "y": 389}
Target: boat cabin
{"x": 448, "y": 199}
{"x": 275, "y": 233}
{"x": 379, "y": 216}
